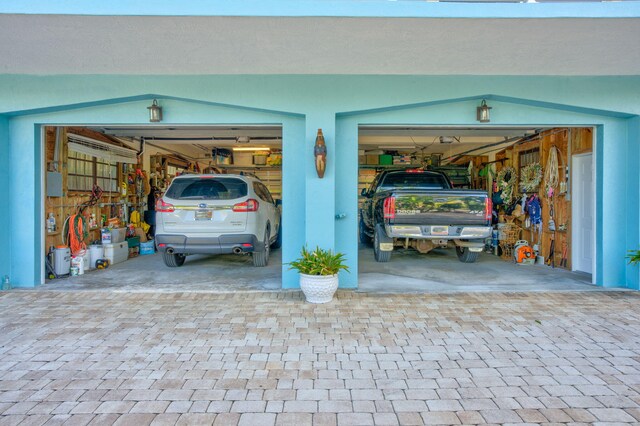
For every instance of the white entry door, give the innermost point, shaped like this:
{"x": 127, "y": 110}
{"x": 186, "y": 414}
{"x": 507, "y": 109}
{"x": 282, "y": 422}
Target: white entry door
{"x": 583, "y": 213}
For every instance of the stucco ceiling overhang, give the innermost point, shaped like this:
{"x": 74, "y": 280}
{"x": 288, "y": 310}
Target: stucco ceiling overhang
{"x": 183, "y": 45}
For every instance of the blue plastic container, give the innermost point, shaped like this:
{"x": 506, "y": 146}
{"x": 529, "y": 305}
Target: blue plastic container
{"x": 147, "y": 248}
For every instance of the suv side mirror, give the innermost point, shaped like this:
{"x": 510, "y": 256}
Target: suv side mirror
{"x": 364, "y": 192}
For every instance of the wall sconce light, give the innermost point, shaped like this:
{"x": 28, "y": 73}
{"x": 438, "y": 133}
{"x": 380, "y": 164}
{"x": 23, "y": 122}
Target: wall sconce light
{"x": 320, "y": 152}
{"x": 155, "y": 112}
{"x": 482, "y": 112}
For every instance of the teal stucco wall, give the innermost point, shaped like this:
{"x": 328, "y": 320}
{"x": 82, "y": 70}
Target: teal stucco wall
{"x": 337, "y": 104}
{"x": 5, "y": 221}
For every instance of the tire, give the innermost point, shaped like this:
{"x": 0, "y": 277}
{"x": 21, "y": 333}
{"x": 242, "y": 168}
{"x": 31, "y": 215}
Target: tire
{"x": 261, "y": 258}
{"x": 278, "y": 242}
{"x": 173, "y": 260}
{"x": 465, "y": 255}
{"x": 378, "y": 237}
{"x": 364, "y": 238}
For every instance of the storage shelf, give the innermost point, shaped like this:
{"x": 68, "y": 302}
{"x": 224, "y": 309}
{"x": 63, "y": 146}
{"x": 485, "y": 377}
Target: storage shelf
{"x": 387, "y": 166}
{"x": 252, "y": 167}
{"x": 271, "y": 176}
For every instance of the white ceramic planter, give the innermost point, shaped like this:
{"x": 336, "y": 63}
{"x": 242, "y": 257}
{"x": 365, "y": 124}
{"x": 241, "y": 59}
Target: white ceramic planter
{"x": 318, "y": 288}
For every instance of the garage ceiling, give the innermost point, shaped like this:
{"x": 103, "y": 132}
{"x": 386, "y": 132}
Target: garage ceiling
{"x": 180, "y": 45}
{"x": 195, "y": 141}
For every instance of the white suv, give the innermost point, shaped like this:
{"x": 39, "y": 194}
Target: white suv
{"x": 216, "y": 214}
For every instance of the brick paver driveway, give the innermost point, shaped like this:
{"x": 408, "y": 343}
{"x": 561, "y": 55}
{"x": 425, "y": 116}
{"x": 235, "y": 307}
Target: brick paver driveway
{"x": 269, "y": 358}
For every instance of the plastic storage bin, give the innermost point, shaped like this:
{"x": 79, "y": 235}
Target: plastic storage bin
{"x": 116, "y": 252}
{"x": 385, "y": 159}
{"x": 118, "y": 234}
{"x": 133, "y": 242}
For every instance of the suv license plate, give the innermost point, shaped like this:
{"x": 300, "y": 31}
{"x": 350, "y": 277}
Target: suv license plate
{"x": 203, "y": 215}
{"x": 439, "y": 230}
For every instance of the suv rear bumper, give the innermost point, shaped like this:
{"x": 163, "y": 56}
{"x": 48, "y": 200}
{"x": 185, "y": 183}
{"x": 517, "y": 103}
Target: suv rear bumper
{"x": 224, "y": 244}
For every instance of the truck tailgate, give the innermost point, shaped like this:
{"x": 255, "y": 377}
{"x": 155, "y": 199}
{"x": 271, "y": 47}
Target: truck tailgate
{"x": 439, "y": 207}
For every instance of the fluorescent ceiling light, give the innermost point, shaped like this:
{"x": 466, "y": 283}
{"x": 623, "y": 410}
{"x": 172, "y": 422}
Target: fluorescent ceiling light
{"x": 252, "y": 148}
{"x": 446, "y": 139}
{"x": 397, "y": 147}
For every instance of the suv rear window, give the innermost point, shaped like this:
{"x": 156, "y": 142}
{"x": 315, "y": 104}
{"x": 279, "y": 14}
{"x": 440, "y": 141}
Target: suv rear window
{"x": 197, "y": 188}
{"x": 413, "y": 180}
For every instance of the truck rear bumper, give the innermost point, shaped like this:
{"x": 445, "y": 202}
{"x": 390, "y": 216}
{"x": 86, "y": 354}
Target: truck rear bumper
{"x": 438, "y": 232}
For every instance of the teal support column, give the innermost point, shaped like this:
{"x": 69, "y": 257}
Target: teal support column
{"x": 346, "y": 226}
{"x": 633, "y": 199}
{"x": 320, "y": 193}
{"x": 613, "y": 206}
{"x": 293, "y": 192}
{"x": 25, "y": 203}
{"x": 5, "y": 187}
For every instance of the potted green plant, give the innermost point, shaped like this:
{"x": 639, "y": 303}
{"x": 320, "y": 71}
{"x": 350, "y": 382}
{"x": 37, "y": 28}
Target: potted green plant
{"x": 634, "y": 257}
{"x": 319, "y": 273}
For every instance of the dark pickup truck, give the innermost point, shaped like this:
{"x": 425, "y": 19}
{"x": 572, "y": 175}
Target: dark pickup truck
{"x": 419, "y": 209}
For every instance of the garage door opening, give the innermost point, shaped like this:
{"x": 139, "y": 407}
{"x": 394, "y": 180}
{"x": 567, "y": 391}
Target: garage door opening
{"x": 472, "y": 209}
{"x": 163, "y": 207}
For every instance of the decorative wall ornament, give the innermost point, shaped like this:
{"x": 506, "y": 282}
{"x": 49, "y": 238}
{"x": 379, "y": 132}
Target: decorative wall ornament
{"x": 320, "y": 152}
{"x": 530, "y": 177}
{"x": 506, "y": 180}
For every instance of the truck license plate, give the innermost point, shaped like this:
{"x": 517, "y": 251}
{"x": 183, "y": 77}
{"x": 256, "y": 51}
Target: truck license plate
{"x": 439, "y": 230}
{"x": 203, "y": 214}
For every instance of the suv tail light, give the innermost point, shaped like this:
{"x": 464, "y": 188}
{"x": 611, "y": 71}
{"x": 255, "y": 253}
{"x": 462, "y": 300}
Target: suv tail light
{"x": 250, "y": 205}
{"x": 163, "y": 207}
{"x": 488, "y": 209}
{"x": 390, "y": 208}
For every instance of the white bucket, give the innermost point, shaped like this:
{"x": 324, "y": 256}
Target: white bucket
{"x": 96, "y": 252}
{"x": 61, "y": 260}
{"x": 86, "y": 260}
{"x": 78, "y": 262}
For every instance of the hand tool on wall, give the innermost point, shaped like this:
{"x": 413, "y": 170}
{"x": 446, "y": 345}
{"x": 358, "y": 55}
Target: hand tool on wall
{"x": 551, "y": 259}
{"x": 565, "y": 249}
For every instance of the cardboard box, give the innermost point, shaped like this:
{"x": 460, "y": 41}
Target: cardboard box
{"x": 372, "y": 159}
{"x": 140, "y": 234}
{"x": 401, "y": 159}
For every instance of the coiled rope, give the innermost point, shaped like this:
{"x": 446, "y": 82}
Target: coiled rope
{"x": 551, "y": 176}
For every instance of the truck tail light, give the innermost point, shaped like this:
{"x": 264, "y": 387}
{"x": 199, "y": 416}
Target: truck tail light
{"x": 250, "y": 205}
{"x": 390, "y": 208}
{"x": 163, "y": 207}
{"x": 488, "y": 209}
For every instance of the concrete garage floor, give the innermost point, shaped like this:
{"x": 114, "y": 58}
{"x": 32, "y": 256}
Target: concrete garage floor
{"x": 224, "y": 273}
{"x": 407, "y": 272}
{"x": 440, "y": 272}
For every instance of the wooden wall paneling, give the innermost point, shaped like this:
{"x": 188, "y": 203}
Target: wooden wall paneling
{"x": 477, "y": 181}
{"x": 562, "y": 207}
{"x": 68, "y": 204}
{"x": 501, "y": 155}
{"x": 581, "y": 140}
